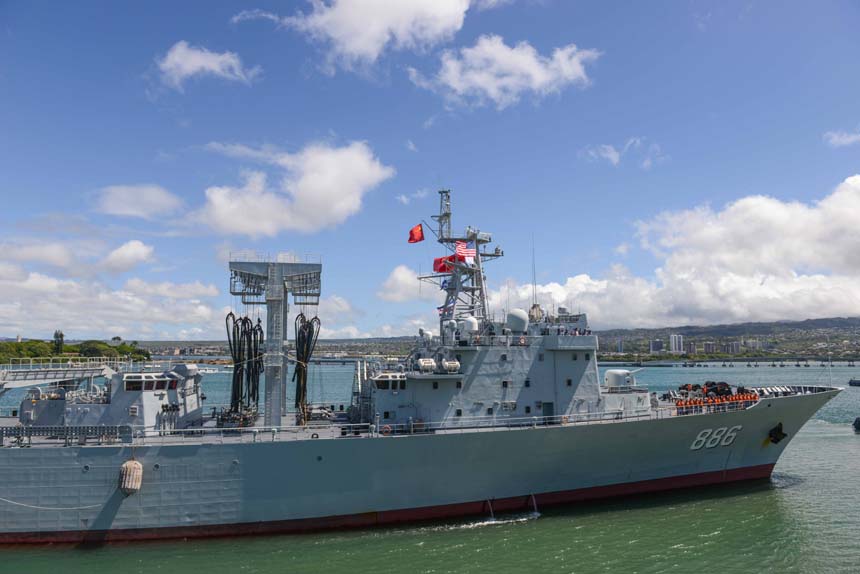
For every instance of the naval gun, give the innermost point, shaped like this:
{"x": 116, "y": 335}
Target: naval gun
{"x": 258, "y": 281}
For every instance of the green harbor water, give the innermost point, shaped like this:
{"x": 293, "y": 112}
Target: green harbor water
{"x": 805, "y": 519}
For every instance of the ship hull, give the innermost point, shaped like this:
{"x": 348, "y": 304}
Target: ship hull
{"x": 70, "y": 494}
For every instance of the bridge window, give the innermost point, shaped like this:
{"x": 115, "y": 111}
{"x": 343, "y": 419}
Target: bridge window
{"x": 587, "y": 356}
{"x": 574, "y": 356}
{"x": 540, "y": 356}
{"x": 458, "y": 412}
{"x": 172, "y": 385}
{"x": 490, "y": 411}
{"x": 504, "y": 384}
{"x": 382, "y": 385}
{"x": 570, "y": 382}
{"x": 528, "y": 383}
{"x": 149, "y": 386}
{"x": 459, "y": 384}
{"x": 504, "y": 357}
{"x": 435, "y": 384}
{"x": 528, "y": 409}
{"x": 386, "y": 415}
{"x": 403, "y": 385}
{"x": 133, "y": 385}
{"x": 160, "y": 385}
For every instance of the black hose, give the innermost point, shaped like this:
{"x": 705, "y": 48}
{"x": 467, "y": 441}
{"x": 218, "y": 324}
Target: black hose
{"x": 246, "y": 342}
{"x": 307, "y": 332}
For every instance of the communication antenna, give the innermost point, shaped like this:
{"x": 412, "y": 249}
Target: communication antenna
{"x": 534, "y": 273}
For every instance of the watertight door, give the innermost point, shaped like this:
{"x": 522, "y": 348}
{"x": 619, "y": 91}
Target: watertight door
{"x": 548, "y": 409}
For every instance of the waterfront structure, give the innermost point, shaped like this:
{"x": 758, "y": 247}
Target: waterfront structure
{"x": 690, "y": 347}
{"x": 485, "y": 416}
{"x": 709, "y": 347}
{"x": 676, "y": 343}
{"x": 655, "y": 346}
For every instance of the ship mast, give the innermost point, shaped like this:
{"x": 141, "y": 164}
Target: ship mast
{"x": 462, "y": 277}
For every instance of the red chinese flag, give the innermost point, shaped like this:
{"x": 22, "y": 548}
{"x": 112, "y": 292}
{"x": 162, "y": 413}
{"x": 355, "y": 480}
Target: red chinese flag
{"x": 416, "y": 234}
{"x": 443, "y": 264}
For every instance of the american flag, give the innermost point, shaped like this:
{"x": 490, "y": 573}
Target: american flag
{"x": 462, "y": 249}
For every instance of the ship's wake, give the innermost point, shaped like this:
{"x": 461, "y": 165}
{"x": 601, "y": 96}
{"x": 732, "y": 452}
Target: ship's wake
{"x": 491, "y": 521}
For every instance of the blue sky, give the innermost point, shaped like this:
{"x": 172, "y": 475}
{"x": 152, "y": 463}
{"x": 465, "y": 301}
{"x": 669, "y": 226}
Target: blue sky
{"x": 676, "y": 162}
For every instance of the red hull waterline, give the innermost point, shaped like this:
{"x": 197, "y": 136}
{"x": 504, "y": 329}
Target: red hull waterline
{"x": 370, "y": 519}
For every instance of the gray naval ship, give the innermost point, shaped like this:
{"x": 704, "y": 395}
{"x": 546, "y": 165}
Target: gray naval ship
{"x": 487, "y": 416}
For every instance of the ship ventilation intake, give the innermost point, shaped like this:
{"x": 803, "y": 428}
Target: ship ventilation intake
{"x": 130, "y": 477}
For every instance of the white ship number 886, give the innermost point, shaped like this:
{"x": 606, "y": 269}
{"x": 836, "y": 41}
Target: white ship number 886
{"x": 709, "y": 438}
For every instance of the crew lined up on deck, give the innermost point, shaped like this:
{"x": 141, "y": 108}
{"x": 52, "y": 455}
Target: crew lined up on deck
{"x": 715, "y": 404}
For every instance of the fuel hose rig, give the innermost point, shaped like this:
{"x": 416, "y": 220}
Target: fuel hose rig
{"x": 245, "y": 340}
{"x": 307, "y": 332}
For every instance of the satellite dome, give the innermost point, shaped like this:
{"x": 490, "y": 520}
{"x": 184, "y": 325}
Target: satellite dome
{"x": 518, "y": 321}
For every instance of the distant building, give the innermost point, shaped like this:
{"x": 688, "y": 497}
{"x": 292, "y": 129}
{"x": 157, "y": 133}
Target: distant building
{"x": 676, "y": 343}
{"x": 753, "y": 344}
{"x": 732, "y": 347}
{"x": 620, "y": 345}
{"x": 656, "y": 346}
{"x": 710, "y": 347}
{"x": 18, "y": 339}
{"x": 690, "y": 348}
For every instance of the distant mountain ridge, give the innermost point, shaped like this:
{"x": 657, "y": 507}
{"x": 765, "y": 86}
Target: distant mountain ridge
{"x": 757, "y": 329}
{"x": 846, "y": 324}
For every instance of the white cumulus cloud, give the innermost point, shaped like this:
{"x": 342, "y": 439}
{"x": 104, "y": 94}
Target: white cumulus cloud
{"x": 757, "y": 259}
{"x": 52, "y": 253}
{"x": 492, "y": 71}
{"x": 403, "y": 284}
{"x": 322, "y": 186}
{"x": 184, "y": 61}
{"x": 359, "y": 32}
{"x": 34, "y": 304}
{"x": 128, "y": 256}
{"x": 143, "y": 200}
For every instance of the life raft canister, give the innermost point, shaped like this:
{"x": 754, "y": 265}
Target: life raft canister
{"x": 130, "y": 477}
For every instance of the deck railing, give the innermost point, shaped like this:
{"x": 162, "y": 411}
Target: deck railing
{"x": 380, "y": 429}
{"x": 41, "y": 363}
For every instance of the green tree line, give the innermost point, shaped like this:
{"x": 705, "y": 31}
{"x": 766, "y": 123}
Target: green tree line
{"x": 93, "y": 348}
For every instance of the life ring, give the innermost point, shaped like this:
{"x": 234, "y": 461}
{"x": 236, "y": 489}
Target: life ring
{"x": 386, "y": 430}
{"x": 315, "y": 435}
{"x": 564, "y": 420}
{"x": 522, "y": 340}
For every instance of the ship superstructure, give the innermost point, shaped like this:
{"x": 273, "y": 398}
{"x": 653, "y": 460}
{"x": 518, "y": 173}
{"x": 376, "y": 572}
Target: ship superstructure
{"x": 487, "y": 415}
